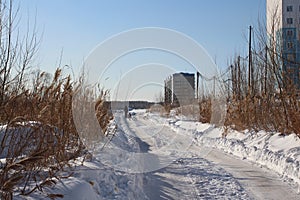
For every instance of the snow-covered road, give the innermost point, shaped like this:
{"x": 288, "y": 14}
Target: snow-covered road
{"x": 259, "y": 182}
{"x": 199, "y": 173}
{"x": 151, "y": 157}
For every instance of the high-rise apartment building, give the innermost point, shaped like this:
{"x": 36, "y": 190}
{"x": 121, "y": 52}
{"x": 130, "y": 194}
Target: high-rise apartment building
{"x": 180, "y": 89}
{"x": 283, "y": 22}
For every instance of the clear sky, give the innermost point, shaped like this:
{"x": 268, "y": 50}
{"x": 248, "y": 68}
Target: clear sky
{"x": 78, "y": 26}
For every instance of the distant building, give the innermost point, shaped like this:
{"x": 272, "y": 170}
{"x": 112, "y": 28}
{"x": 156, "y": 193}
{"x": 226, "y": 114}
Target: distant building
{"x": 180, "y": 89}
{"x": 286, "y": 27}
{"x": 120, "y": 105}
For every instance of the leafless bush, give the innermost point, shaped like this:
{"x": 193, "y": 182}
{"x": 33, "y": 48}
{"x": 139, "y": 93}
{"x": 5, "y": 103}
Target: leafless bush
{"x": 38, "y": 137}
{"x": 269, "y": 100}
{"x": 205, "y": 110}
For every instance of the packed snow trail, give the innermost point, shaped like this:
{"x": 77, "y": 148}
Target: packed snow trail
{"x": 197, "y": 175}
{"x": 186, "y": 177}
{"x": 259, "y": 182}
{"x": 150, "y": 157}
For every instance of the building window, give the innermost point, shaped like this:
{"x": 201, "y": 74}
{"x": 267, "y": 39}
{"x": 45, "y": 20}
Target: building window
{"x": 289, "y": 20}
{"x": 291, "y": 57}
{"x": 289, "y": 9}
{"x": 290, "y": 45}
{"x": 290, "y": 33}
{"x": 290, "y": 70}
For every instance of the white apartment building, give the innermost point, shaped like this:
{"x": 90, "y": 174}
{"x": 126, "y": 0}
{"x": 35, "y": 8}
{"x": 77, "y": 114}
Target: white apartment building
{"x": 283, "y": 21}
{"x": 180, "y": 89}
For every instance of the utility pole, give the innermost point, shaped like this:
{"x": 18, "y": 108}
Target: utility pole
{"x": 214, "y": 87}
{"x": 233, "y": 82}
{"x": 202, "y": 87}
{"x": 250, "y": 70}
{"x": 239, "y": 78}
{"x": 198, "y": 74}
{"x": 266, "y": 70}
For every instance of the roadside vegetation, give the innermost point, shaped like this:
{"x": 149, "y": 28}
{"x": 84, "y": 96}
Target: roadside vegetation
{"x": 261, "y": 95}
{"x": 38, "y": 137}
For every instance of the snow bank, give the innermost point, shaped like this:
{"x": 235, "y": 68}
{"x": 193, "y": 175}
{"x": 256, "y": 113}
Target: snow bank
{"x": 93, "y": 180}
{"x": 278, "y": 152}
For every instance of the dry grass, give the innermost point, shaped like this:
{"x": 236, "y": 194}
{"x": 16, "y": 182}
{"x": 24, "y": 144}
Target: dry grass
{"x": 272, "y": 114}
{"x": 263, "y": 97}
{"x": 205, "y": 110}
{"x": 39, "y": 138}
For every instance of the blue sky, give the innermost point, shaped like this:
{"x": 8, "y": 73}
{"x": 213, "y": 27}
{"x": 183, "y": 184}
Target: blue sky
{"x": 78, "y": 26}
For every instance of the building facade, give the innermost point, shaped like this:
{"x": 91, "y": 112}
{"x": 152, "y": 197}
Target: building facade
{"x": 180, "y": 89}
{"x": 283, "y": 22}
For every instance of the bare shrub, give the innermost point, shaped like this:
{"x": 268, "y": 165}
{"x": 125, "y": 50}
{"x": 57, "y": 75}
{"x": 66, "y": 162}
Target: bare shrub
{"x": 39, "y": 138}
{"x": 270, "y": 100}
{"x": 205, "y": 110}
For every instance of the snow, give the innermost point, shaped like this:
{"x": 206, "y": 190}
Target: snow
{"x": 275, "y": 151}
{"x": 193, "y": 178}
{"x": 153, "y": 157}
{"x": 94, "y": 180}
{"x": 259, "y": 182}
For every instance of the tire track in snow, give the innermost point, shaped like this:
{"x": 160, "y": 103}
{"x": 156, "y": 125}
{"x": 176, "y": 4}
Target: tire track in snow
{"x": 262, "y": 184}
{"x": 190, "y": 177}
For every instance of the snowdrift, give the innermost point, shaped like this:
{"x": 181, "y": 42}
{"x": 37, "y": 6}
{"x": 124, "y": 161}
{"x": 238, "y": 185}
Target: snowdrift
{"x": 275, "y": 151}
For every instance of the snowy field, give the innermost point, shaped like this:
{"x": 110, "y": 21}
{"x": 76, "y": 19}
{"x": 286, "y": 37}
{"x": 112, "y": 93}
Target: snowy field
{"x": 150, "y": 157}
